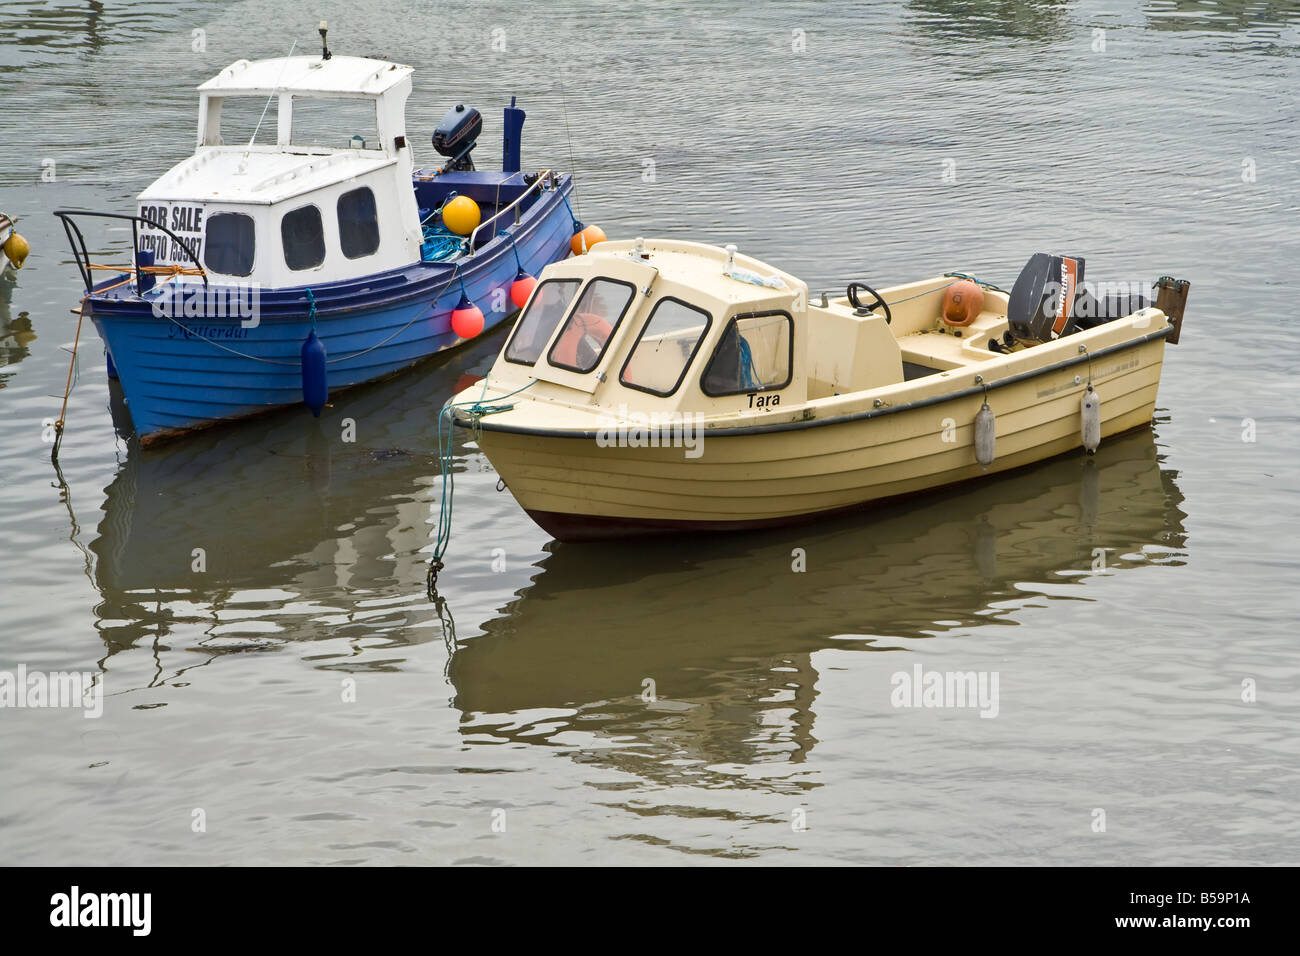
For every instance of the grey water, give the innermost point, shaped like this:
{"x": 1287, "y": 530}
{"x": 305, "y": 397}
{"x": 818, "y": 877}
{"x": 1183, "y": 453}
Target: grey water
{"x": 301, "y": 700}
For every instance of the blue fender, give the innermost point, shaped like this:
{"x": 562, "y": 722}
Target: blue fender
{"x": 315, "y": 380}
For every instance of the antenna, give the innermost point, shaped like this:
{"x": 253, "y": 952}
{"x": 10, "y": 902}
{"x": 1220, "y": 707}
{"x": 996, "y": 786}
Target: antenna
{"x": 324, "y": 47}
{"x": 272, "y": 96}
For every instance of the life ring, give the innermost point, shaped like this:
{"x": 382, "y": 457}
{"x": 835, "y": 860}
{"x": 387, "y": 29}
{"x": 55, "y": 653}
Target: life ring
{"x": 963, "y": 301}
{"x": 586, "y": 333}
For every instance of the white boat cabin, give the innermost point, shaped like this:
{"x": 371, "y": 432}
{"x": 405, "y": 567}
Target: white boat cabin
{"x": 301, "y": 175}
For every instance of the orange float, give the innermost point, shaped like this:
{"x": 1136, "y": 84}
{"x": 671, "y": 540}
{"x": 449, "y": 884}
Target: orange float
{"x": 963, "y": 301}
{"x": 584, "y": 239}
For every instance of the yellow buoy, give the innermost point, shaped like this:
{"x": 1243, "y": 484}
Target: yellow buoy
{"x": 461, "y": 215}
{"x": 16, "y": 249}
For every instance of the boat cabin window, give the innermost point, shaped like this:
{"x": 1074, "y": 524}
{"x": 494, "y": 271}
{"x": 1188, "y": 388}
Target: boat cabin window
{"x": 755, "y": 352}
{"x": 581, "y": 342}
{"x": 303, "y": 237}
{"x": 232, "y": 120}
{"x": 358, "y": 223}
{"x": 228, "y": 243}
{"x": 667, "y": 344}
{"x": 336, "y": 122}
{"x": 545, "y": 309}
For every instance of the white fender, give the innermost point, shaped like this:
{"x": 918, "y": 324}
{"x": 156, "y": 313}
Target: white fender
{"x": 1090, "y": 419}
{"x": 985, "y": 435}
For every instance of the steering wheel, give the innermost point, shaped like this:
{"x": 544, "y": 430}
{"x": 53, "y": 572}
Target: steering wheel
{"x": 861, "y": 309}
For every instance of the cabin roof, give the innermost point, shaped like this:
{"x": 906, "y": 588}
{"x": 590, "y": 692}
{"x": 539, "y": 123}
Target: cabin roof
{"x": 308, "y": 74}
{"x": 702, "y": 268}
{"x": 269, "y": 174}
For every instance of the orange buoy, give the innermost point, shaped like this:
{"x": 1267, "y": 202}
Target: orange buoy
{"x": 466, "y": 319}
{"x": 522, "y": 288}
{"x": 963, "y": 301}
{"x": 584, "y": 239}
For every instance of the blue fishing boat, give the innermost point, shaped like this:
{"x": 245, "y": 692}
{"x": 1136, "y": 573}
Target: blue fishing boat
{"x": 268, "y": 274}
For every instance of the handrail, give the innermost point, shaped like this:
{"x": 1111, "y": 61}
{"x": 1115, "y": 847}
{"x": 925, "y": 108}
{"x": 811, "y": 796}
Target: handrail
{"x": 78, "y": 243}
{"x": 537, "y": 184}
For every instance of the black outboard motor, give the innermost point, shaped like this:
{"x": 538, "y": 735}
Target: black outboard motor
{"x": 456, "y": 135}
{"x": 1041, "y": 305}
{"x": 1050, "y": 299}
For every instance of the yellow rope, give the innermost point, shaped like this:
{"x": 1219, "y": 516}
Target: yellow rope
{"x": 154, "y": 270}
{"x": 76, "y": 342}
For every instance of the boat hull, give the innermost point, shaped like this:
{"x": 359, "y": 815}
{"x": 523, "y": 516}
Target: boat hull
{"x": 799, "y": 471}
{"x": 180, "y": 374}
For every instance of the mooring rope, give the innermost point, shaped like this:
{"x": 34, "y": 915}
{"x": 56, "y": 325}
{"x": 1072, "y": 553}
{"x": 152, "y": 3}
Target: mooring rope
{"x": 74, "y": 375}
{"x": 446, "y": 465}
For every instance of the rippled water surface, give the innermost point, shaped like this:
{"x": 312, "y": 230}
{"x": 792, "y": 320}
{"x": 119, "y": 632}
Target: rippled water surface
{"x": 814, "y": 136}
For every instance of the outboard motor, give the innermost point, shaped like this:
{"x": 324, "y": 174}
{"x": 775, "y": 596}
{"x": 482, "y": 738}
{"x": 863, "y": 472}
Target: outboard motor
{"x": 1041, "y": 305}
{"x": 456, "y": 135}
{"x": 1050, "y": 299}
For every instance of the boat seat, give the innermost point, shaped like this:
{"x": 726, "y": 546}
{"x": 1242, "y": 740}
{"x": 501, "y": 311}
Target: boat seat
{"x": 943, "y": 350}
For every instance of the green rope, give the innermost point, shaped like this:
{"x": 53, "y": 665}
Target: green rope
{"x": 962, "y": 275}
{"x": 955, "y": 276}
{"x": 311, "y": 308}
{"x": 448, "y": 198}
{"x": 447, "y": 462}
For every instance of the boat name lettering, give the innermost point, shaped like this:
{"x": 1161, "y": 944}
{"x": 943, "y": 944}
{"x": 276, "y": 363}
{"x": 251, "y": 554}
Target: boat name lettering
{"x": 763, "y": 401}
{"x": 176, "y": 330}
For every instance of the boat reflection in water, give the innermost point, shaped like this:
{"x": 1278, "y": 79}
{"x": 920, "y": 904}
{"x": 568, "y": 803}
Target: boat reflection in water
{"x": 726, "y": 629}
{"x": 297, "y": 526}
{"x": 16, "y": 333}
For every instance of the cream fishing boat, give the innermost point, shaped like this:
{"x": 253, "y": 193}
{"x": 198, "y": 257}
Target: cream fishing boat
{"x": 659, "y": 386}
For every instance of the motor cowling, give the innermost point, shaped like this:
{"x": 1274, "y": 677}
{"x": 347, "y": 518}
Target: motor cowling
{"x": 1050, "y": 299}
{"x": 1041, "y": 305}
{"x": 457, "y": 134}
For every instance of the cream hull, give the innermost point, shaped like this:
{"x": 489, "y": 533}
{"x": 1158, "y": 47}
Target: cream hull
{"x": 842, "y": 457}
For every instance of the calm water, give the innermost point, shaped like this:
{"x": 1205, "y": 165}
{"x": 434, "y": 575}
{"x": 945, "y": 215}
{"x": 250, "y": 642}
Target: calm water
{"x": 1175, "y": 149}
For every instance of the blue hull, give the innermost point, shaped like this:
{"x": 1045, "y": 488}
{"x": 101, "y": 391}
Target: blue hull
{"x": 180, "y": 374}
